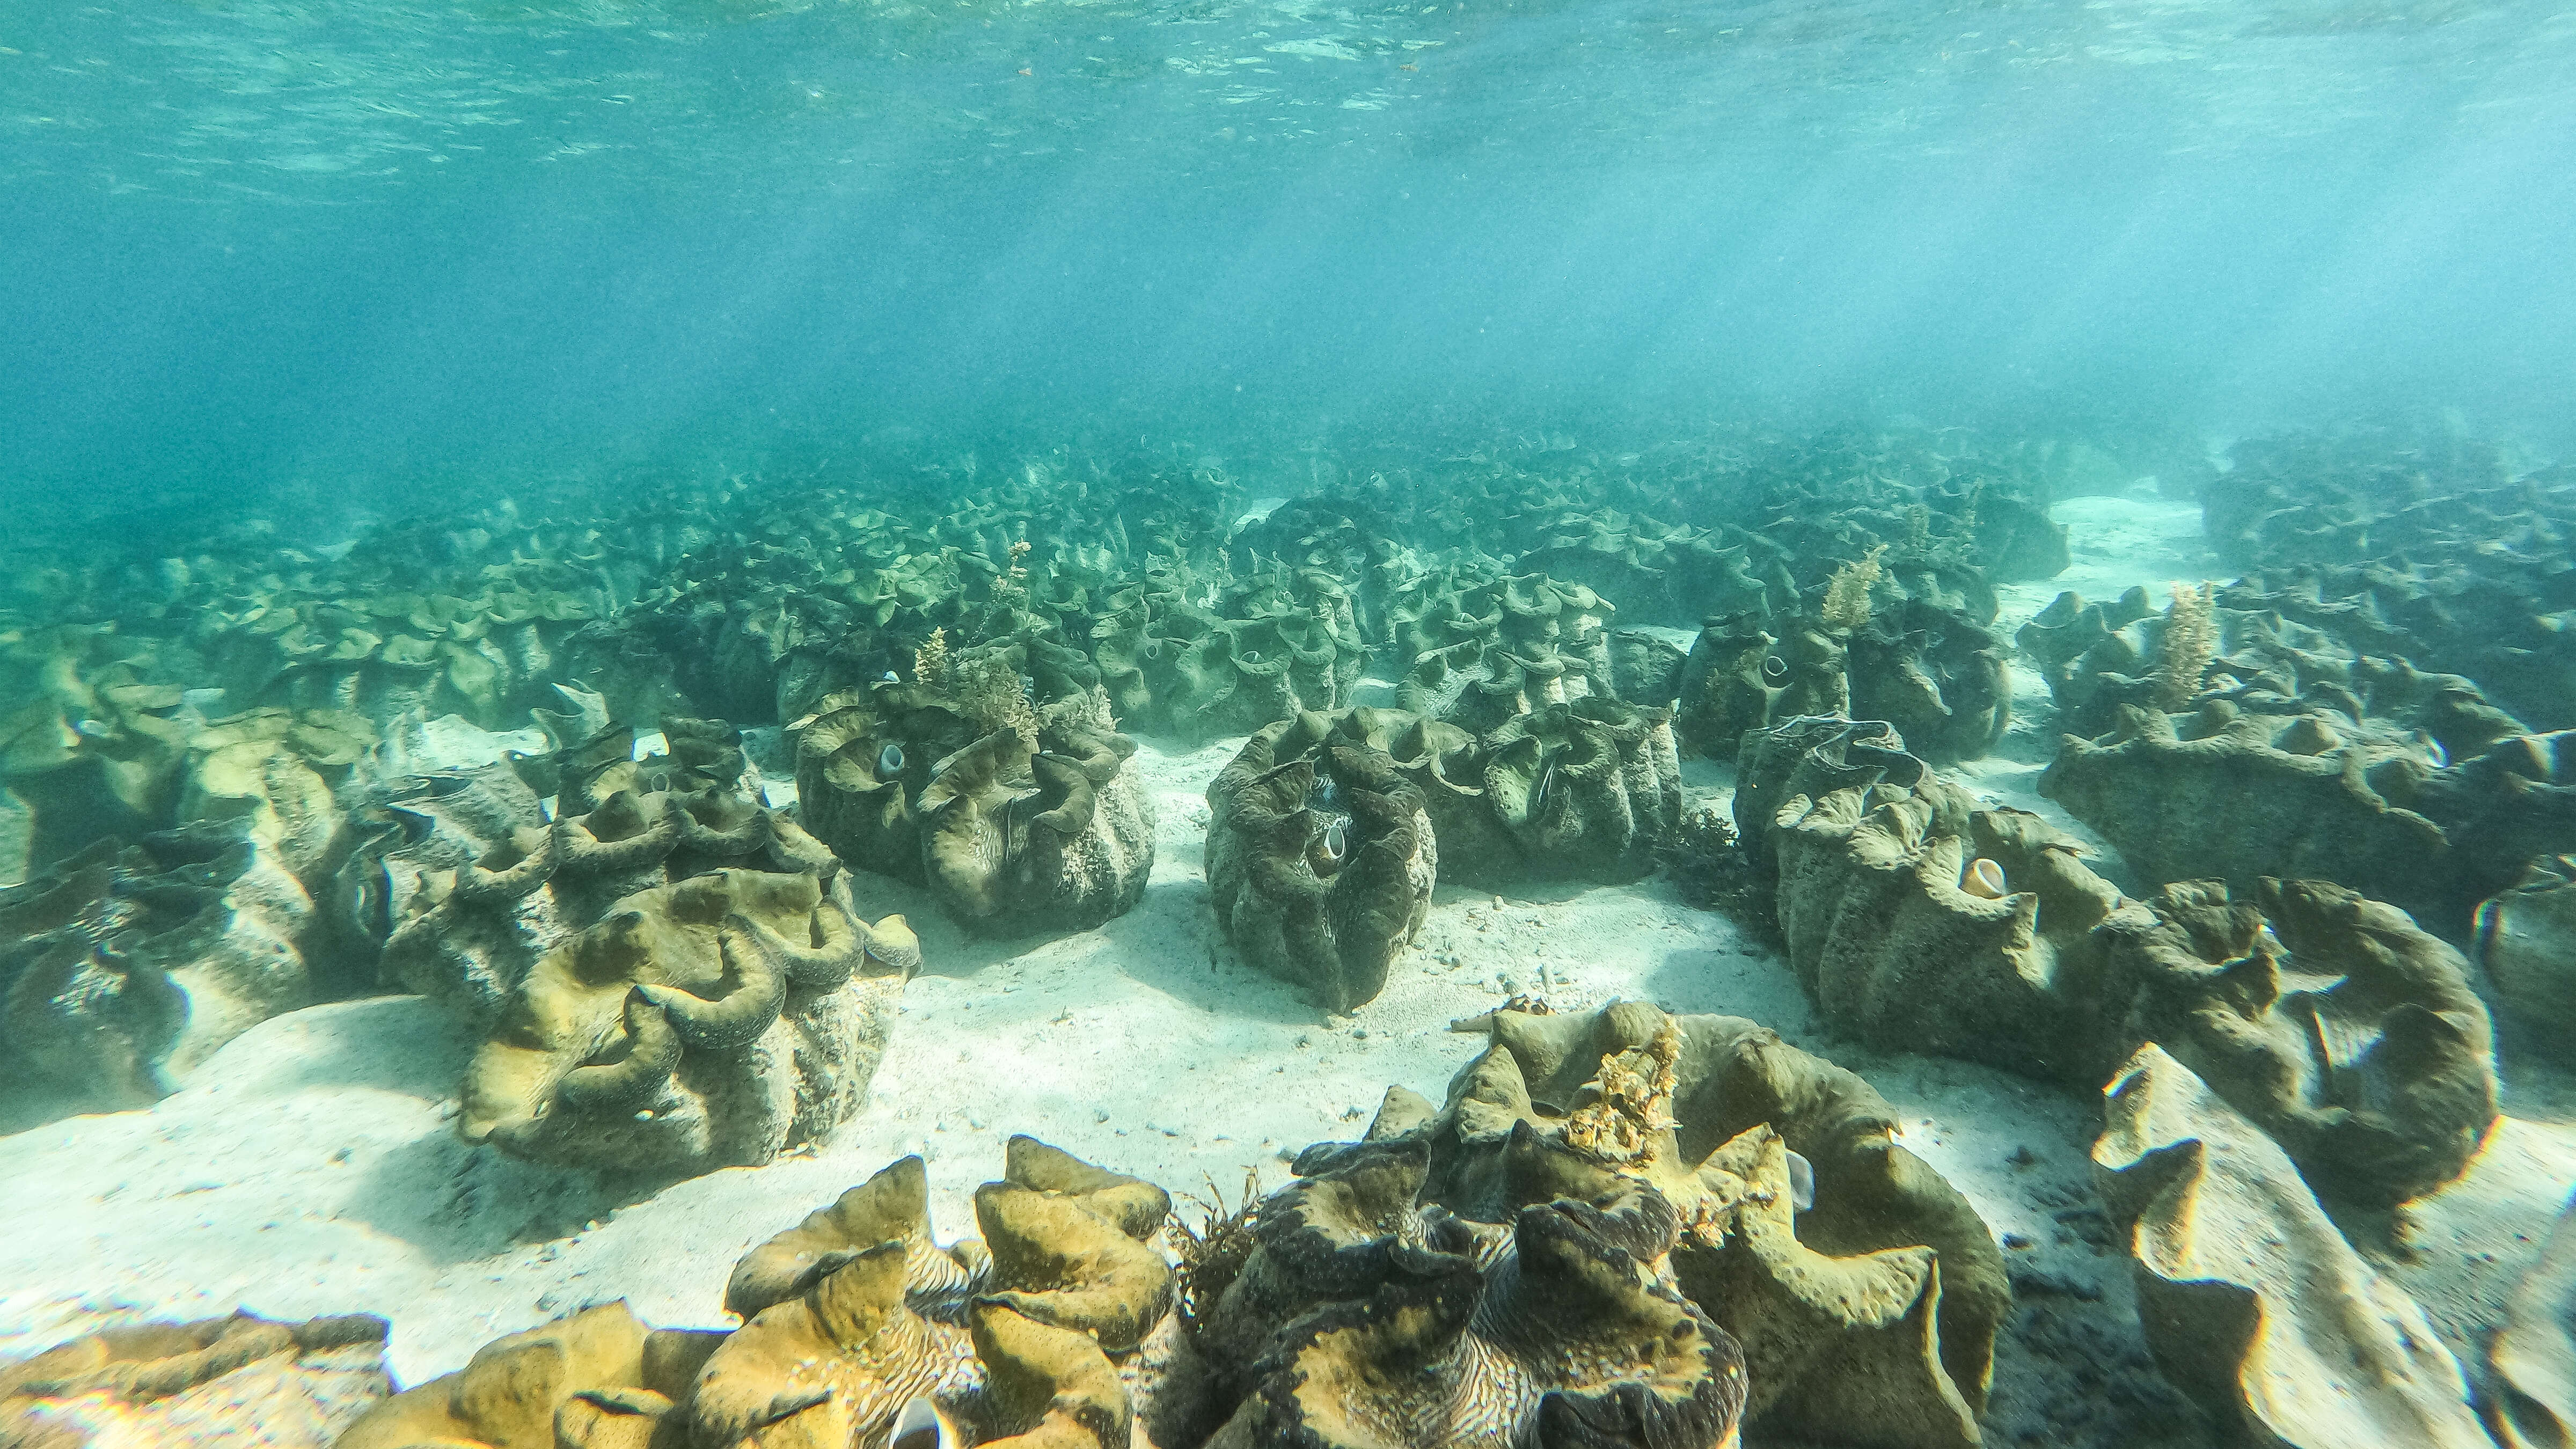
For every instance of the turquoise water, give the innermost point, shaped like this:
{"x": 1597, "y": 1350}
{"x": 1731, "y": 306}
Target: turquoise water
{"x": 361, "y": 249}
{"x": 617, "y": 619}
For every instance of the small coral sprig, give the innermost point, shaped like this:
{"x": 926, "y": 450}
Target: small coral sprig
{"x": 1846, "y": 606}
{"x": 930, "y": 661}
{"x": 2189, "y": 642}
{"x": 1635, "y": 1106}
{"x": 1216, "y": 1247}
{"x": 1918, "y": 528}
{"x": 990, "y": 694}
{"x": 1011, "y": 586}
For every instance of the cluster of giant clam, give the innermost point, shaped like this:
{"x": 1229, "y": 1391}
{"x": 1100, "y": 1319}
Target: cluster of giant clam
{"x": 2263, "y": 1049}
{"x": 501, "y": 763}
{"x": 1624, "y": 1227}
{"x": 956, "y": 680}
{"x": 1327, "y": 833}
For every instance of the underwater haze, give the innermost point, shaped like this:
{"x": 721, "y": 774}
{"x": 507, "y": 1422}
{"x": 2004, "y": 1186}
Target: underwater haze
{"x": 1287, "y": 724}
{"x": 349, "y": 246}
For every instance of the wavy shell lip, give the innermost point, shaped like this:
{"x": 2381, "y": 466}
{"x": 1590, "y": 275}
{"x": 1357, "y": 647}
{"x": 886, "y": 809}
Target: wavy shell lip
{"x": 1562, "y": 1291}
{"x": 1029, "y": 819}
{"x": 1292, "y": 890}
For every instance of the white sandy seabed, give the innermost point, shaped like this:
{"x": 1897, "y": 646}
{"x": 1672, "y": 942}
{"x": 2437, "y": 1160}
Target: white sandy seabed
{"x": 312, "y": 1166}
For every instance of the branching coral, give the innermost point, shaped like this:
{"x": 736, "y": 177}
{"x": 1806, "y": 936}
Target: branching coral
{"x": 989, "y": 694}
{"x": 1846, "y": 605}
{"x": 1011, "y": 586}
{"x": 2190, "y": 638}
{"x": 930, "y": 661}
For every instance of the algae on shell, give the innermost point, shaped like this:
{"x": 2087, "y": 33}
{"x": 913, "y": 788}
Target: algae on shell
{"x": 1012, "y": 1337}
{"x": 1922, "y": 924}
{"x": 240, "y": 1379}
{"x": 1321, "y": 857}
{"x": 1365, "y": 1314}
{"x": 1026, "y": 824}
{"x": 2252, "y": 1301}
{"x": 2238, "y": 794}
{"x": 2526, "y": 940}
{"x": 1884, "y": 1335}
{"x": 711, "y": 1022}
